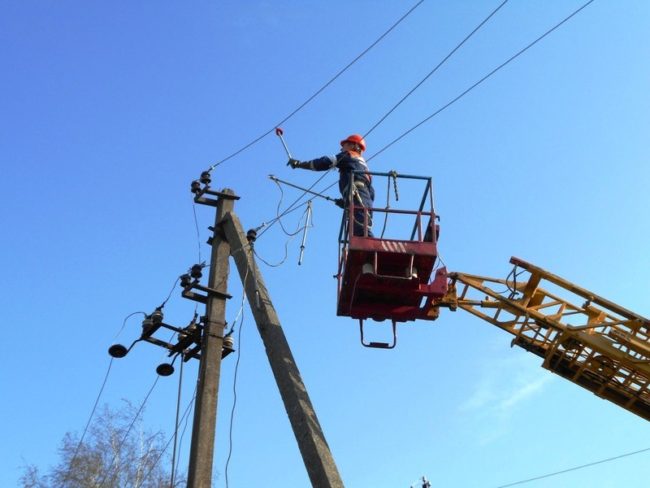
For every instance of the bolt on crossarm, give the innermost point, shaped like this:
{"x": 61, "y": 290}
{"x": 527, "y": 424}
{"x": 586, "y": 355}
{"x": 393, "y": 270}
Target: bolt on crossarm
{"x": 315, "y": 452}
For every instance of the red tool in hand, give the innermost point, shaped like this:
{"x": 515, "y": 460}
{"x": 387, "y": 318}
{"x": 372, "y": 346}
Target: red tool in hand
{"x": 279, "y": 132}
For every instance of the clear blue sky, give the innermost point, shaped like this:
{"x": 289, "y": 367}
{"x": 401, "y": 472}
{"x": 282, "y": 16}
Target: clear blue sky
{"x": 109, "y": 110}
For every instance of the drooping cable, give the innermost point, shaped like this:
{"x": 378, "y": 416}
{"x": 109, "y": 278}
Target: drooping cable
{"x": 288, "y": 233}
{"x": 294, "y": 206}
{"x": 282, "y": 261}
{"x": 512, "y": 58}
{"x": 235, "y": 375}
{"x": 383, "y": 229}
{"x": 124, "y": 322}
{"x": 162, "y": 305}
{"x": 240, "y": 312}
{"x": 320, "y": 90}
{"x": 176, "y": 421}
{"x": 126, "y": 434}
{"x": 278, "y": 181}
{"x": 92, "y": 414}
{"x": 582, "y": 466}
{"x": 184, "y": 417}
{"x": 198, "y": 234}
{"x": 291, "y": 236}
{"x": 444, "y": 60}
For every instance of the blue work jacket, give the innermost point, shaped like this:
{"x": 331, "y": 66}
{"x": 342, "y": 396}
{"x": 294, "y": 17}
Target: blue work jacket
{"x": 347, "y": 162}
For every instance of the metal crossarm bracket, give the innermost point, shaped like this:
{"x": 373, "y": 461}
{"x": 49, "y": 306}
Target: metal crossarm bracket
{"x": 199, "y": 198}
{"x": 203, "y": 298}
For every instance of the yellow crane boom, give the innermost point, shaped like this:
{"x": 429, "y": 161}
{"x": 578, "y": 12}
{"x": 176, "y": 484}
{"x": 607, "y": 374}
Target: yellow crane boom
{"x": 598, "y": 344}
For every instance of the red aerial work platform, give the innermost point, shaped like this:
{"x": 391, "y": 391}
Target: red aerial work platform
{"x": 390, "y": 278}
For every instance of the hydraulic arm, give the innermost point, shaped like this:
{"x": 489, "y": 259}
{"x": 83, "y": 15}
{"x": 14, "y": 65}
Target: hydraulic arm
{"x": 596, "y": 344}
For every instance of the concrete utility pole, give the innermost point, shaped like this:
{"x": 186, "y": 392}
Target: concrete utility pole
{"x": 313, "y": 447}
{"x": 229, "y": 239}
{"x": 205, "y": 412}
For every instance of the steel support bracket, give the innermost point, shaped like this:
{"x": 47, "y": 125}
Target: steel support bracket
{"x": 200, "y": 199}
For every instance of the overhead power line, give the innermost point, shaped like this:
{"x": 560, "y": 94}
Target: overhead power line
{"x": 512, "y": 58}
{"x": 109, "y": 468}
{"x": 320, "y": 90}
{"x": 451, "y": 53}
{"x": 92, "y": 414}
{"x": 169, "y": 441}
{"x": 602, "y": 461}
{"x": 176, "y": 422}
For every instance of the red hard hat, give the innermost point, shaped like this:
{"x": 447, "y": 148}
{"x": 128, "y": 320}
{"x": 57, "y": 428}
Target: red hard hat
{"x": 356, "y": 139}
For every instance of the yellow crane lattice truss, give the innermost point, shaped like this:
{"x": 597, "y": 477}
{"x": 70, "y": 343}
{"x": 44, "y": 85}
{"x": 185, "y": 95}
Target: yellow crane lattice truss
{"x": 598, "y": 345}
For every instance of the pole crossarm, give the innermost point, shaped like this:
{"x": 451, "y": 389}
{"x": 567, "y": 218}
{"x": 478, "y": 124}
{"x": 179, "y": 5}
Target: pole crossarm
{"x": 598, "y": 345}
{"x": 315, "y": 452}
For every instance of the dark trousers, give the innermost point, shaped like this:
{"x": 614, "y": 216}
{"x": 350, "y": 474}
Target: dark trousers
{"x": 362, "y": 200}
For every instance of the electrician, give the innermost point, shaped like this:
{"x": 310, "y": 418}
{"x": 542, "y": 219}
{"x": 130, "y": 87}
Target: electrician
{"x": 347, "y": 161}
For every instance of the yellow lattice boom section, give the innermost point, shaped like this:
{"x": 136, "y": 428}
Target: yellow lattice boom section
{"x": 598, "y": 345}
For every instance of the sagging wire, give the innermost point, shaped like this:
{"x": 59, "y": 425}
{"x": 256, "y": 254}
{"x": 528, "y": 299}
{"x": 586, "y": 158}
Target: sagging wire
{"x": 162, "y": 305}
{"x": 318, "y": 92}
{"x": 391, "y": 175}
{"x": 128, "y": 431}
{"x": 198, "y": 234}
{"x": 234, "y": 401}
{"x": 265, "y": 226}
{"x": 278, "y": 183}
{"x": 502, "y": 65}
{"x": 291, "y": 208}
{"x": 281, "y": 262}
{"x": 451, "y": 53}
{"x": 185, "y": 417}
{"x": 304, "y": 228}
{"x": 337, "y": 201}
{"x": 176, "y": 421}
{"x": 243, "y": 299}
{"x": 124, "y": 322}
{"x": 240, "y": 313}
{"x": 253, "y": 234}
{"x": 92, "y": 414}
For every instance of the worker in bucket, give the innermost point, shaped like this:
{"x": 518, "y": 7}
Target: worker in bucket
{"x": 347, "y": 161}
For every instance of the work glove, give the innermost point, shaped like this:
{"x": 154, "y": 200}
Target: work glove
{"x": 339, "y": 203}
{"x": 294, "y": 163}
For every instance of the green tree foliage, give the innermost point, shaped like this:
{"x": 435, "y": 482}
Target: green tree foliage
{"x": 116, "y": 452}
